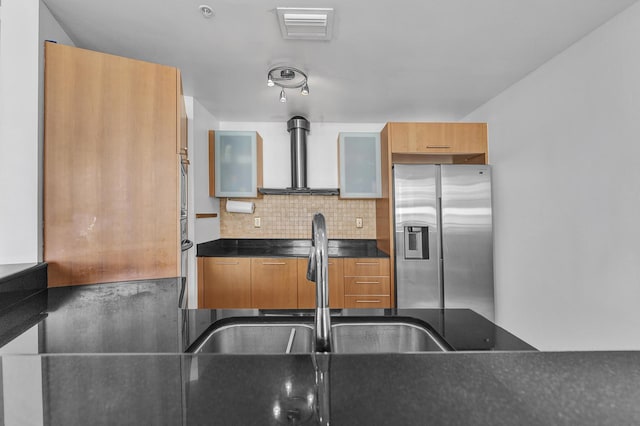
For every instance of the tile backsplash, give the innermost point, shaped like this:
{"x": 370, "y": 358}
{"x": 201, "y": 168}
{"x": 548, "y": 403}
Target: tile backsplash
{"x": 289, "y": 216}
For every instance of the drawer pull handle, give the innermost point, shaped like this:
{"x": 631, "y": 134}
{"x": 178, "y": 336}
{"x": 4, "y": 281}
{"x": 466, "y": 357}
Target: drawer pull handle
{"x": 367, "y": 263}
{"x": 367, "y": 282}
{"x": 227, "y": 263}
{"x": 439, "y": 146}
{"x": 369, "y": 301}
{"x": 273, "y": 263}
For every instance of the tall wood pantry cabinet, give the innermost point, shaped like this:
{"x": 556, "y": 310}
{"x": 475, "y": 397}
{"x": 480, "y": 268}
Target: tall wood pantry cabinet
{"x": 115, "y": 135}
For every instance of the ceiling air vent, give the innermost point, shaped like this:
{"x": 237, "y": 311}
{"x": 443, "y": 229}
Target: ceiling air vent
{"x": 305, "y": 23}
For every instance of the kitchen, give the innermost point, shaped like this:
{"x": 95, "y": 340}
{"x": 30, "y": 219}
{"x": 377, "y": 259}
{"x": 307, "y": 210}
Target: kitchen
{"x": 548, "y": 134}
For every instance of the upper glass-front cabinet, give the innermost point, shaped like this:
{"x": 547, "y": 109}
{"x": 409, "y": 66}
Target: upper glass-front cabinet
{"x": 360, "y": 165}
{"x": 236, "y": 160}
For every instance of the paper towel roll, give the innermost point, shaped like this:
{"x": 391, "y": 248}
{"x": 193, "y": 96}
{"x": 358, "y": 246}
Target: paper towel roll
{"x": 240, "y": 206}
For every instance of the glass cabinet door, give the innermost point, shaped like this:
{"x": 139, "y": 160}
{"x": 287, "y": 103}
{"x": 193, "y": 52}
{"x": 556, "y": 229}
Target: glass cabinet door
{"x": 235, "y": 164}
{"x": 360, "y": 165}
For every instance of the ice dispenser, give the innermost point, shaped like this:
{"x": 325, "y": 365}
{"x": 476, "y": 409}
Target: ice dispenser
{"x": 416, "y": 242}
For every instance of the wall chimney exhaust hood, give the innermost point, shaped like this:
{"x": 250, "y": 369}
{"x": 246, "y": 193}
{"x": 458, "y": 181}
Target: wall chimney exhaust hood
{"x": 298, "y": 127}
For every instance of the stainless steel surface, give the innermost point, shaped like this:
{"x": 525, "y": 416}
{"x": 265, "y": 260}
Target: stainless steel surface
{"x": 298, "y": 128}
{"x": 377, "y": 337}
{"x": 184, "y": 227}
{"x": 415, "y": 197}
{"x": 321, "y": 364}
{"x": 299, "y": 191}
{"x": 468, "y": 238}
{"x": 183, "y": 187}
{"x": 257, "y": 338}
{"x": 320, "y": 274}
{"x": 454, "y": 202}
{"x": 416, "y": 242}
{"x": 284, "y": 336}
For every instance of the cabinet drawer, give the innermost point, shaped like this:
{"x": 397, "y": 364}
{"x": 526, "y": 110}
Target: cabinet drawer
{"x": 366, "y": 285}
{"x": 367, "y": 302}
{"x": 366, "y": 267}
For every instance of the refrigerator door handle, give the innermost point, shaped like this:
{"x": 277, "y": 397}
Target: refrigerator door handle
{"x": 440, "y": 250}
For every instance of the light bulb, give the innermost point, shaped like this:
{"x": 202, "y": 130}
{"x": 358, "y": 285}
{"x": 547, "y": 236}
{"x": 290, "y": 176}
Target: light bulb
{"x": 270, "y": 81}
{"x": 305, "y": 89}
{"x": 283, "y": 96}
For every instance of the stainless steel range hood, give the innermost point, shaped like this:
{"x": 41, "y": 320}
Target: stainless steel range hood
{"x": 298, "y": 127}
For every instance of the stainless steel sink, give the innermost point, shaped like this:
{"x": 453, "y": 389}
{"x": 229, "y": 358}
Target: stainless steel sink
{"x": 350, "y": 335}
{"x": 256, "y": 338}
{"x": 384, "y": 337}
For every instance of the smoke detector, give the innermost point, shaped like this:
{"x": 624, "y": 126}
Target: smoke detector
{"x": 310, "y": 23}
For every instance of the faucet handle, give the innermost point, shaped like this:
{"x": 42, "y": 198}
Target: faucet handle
{"x": 311, "y": 265}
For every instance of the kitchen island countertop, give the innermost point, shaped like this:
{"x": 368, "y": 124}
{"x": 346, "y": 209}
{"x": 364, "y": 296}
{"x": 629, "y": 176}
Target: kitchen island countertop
{"x": 127, "y": 368}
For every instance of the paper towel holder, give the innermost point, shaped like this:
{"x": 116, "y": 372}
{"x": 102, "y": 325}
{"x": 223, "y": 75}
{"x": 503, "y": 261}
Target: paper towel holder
{"x": 246, "y": 207}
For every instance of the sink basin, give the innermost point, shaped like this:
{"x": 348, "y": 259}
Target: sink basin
{"x": 384, "y": 337}
{"x": 255, "y": 338}
{"x": 273, "y": 335}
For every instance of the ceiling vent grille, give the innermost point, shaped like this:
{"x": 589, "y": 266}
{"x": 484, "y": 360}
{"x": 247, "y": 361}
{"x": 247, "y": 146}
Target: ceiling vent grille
{"x": 305, "y": 23}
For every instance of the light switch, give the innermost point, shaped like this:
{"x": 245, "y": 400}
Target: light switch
{"x": 358, "y": 222}
{"x": 256, "y": 222}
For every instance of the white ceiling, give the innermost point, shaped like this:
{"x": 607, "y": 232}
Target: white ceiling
{"x": 387, "y": 61}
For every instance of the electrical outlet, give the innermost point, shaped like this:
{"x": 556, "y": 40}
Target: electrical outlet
{"x": 358, "y": 222}
{"x": 256, "y": 222}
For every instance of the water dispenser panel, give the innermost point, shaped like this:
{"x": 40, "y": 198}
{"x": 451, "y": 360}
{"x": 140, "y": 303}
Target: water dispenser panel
{"x": 416, "y": 242}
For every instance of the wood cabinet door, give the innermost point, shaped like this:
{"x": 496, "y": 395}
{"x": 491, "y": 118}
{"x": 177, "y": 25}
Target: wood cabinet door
{"x": 438, "y": 138}
{"x": 307, "y": 289}
{"x": 274, "y": 283}
{"x": 359, "y": 165}
{"x": 226, "y": 282}
{"x": 111, "y": 207}
{"x": 235, "y": 164}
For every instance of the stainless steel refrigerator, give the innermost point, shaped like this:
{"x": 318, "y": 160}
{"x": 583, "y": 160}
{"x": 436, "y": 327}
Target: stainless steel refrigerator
{"x": 444, "y": 237}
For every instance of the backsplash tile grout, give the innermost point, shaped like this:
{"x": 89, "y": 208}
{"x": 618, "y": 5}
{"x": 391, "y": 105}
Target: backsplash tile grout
{"x": 289, "y": 216}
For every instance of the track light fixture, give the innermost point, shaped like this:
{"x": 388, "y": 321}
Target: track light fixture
{"x": 287, "y": 78}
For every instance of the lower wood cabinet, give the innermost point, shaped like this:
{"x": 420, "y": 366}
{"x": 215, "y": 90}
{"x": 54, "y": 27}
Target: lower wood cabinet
{"x": 274, "y": 283}
{"x": 281, "y": 283}
{"x": 224, "y": 282}
{"x": 307, "y": 289}
{"x": 366, "y": 283}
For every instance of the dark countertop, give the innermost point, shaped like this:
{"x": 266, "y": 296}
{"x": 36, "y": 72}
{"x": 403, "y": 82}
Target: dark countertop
{"x": 83, "y": 376}
{"x": 499, "y": 388}
{"x": 285, "y": 248}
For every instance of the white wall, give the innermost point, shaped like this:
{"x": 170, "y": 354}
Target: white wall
{"x": 207, "y": 229}
{"x": 565, "y": 145}
{"x": 322, "y": 150}
{"x": 25, "y": 25}
{"x": 19, "y": 131}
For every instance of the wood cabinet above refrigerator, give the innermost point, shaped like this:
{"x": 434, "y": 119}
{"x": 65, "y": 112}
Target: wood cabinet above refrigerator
{"x": 438, "y": 143}
{"x": 111, "y": 171}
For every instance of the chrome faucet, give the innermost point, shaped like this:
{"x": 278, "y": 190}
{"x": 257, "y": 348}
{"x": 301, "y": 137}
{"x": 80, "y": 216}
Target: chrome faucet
{"x": 318, "y": 271}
